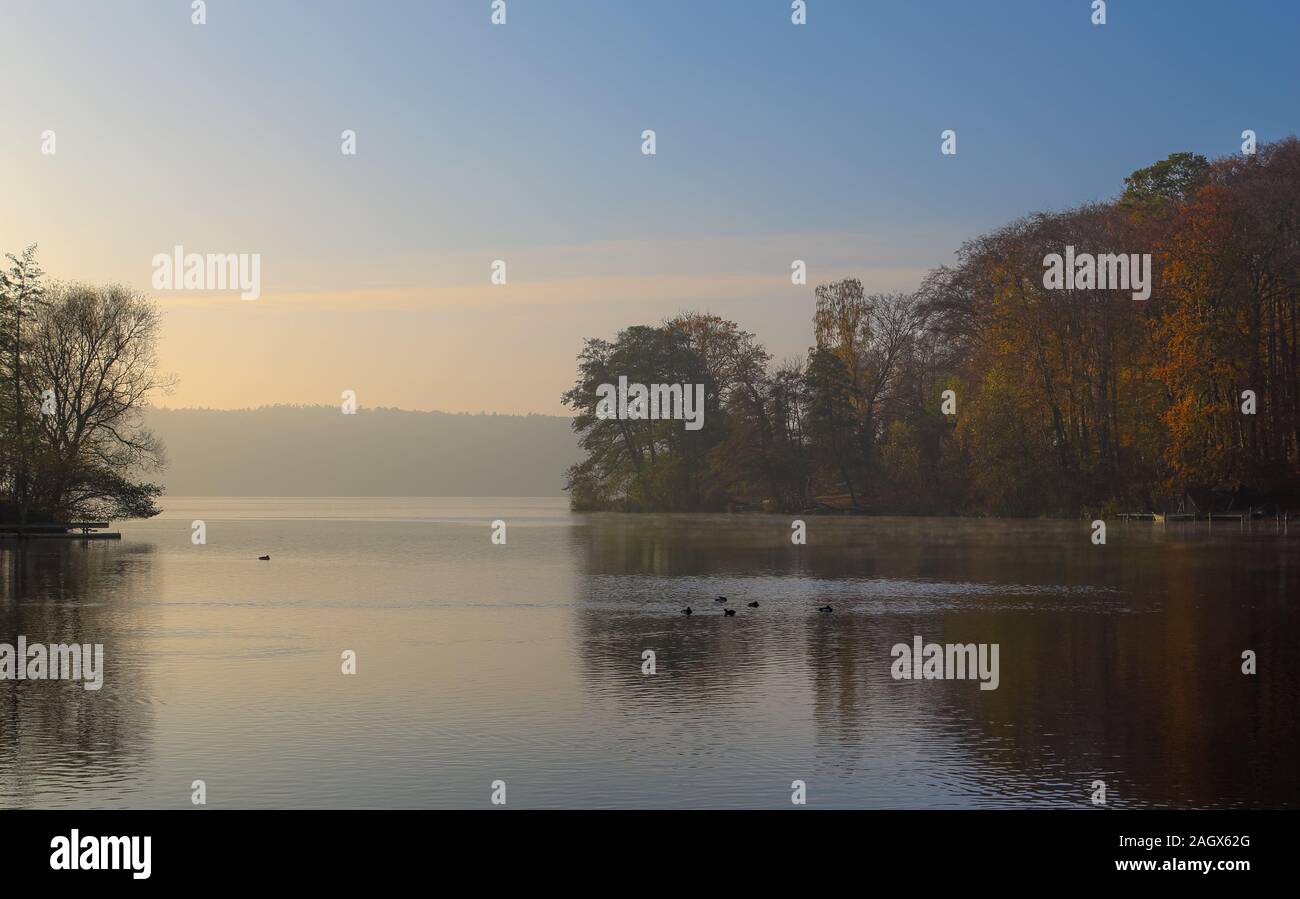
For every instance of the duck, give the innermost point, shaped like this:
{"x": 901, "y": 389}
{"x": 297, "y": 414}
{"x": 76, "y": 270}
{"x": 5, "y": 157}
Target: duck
{"x": 263, "y": 558}
{"x": 721, "y": 599}
{"x": 754, "y": 604}
{"x": 726, "y": 612}
{"x": 687, "y": 611}
{"x": 825, "y": 610}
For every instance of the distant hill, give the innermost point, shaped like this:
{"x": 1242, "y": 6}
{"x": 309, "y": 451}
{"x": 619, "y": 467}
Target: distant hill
{"x": 319, "y": 451}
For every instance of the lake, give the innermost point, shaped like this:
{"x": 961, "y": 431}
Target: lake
{"x": 523, "y": 662}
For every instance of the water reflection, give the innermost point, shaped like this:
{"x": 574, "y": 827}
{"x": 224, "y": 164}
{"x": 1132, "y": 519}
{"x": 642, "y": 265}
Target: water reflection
{"x": 1119, "y": 663}
{"x": 524, "y": 661}
{"x": 56, "y": 735}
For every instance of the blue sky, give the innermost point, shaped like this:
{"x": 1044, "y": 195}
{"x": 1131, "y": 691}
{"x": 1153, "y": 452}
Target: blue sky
{"x": 522, "y": 142}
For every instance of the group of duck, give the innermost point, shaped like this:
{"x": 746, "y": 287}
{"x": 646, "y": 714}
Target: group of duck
{"x": 730, "y": 613}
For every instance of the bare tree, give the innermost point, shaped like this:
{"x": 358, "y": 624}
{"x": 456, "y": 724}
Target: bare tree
{"x": 93, "y": 366}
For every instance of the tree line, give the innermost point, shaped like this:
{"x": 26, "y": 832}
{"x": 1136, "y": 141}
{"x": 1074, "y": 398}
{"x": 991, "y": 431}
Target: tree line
{"x": 79, "y": 365}
{"x": 1063, "y": 402}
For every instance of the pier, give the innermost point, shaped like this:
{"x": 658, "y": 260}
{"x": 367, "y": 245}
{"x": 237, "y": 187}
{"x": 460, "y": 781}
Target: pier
{"x": 73, "y": 530}
{"x": 1242, "y": 518}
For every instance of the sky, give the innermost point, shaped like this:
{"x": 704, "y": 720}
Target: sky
{"x": 522, "y": 142}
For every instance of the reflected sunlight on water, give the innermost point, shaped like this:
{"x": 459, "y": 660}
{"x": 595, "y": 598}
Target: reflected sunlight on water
{"x": 523, "y": 662}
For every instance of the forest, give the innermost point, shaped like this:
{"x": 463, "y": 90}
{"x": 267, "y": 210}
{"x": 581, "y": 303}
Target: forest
{"x": 1062, "y": 402}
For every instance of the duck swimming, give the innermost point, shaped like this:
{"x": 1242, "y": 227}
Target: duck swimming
{"x": 754, "y": 604}
{"x": 687, "y": 611}
{"x": 826, "y": 610}
{"x": 726, "y": 612}
{"x": 263, "y": 558}
{"x": 721, "y": 599}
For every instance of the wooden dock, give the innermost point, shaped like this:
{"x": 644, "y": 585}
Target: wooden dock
{"x": 1242, "y": 518}
{"x": 72, "y": 530}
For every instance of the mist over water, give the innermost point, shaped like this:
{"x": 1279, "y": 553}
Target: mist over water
{"x": 478, "y": 662}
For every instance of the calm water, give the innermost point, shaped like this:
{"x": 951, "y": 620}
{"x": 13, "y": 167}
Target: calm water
{"x": 523, "y": 662}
